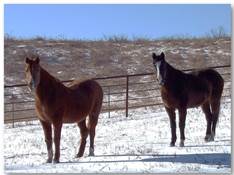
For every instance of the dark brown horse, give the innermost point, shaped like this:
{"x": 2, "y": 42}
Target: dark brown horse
{"x": 187, "y": 90}
{"x": 57, "y": 104}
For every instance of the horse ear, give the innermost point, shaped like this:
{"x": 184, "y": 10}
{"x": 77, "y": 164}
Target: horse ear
{"x": 37, "y": 60}
{"x": 162, "y": 56}
{"x": 153, "y": 55}
{"x": 27, "y": 60}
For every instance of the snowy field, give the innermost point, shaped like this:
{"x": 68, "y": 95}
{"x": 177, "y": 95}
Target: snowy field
{"x": 137, "y": 144}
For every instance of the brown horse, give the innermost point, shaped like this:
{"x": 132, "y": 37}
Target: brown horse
{"x": 187, "y": 90}
{"x": 57, "y": 104}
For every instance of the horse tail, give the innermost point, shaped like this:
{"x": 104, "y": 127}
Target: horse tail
{"x": 94, "y": 115}
{"x": 217, "y": 84}
{"x": 97, "y": 105}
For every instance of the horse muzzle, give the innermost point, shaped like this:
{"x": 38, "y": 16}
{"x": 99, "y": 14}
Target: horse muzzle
{"x": 31, "y": 86}
{"x": 162, "y": 82}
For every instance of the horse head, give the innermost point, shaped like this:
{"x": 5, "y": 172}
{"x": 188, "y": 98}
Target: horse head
{"x": 160, "y": 66}
{"x": 32, "y": 72}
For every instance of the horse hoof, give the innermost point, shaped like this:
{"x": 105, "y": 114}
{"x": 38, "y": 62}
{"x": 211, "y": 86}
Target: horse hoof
{"x": 181, "y": 144}
{"x": 55, "y": 161}
{"x": 91, "y": 151}
{"x": 91, "y": 154}
{"x": 172, "y": 144}
{"x": 209, "y": 138}
{"x": 49, "y": 161}
{"x": 79, "y": 155}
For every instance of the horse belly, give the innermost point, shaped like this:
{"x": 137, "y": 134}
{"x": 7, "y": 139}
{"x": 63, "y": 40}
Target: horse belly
{"x": 196, "y": 100}
{"x": 73, "y": 118}
{"x": 75, "y": 114}
{"x": 42, "y": 114}
{"x": 170, "y": 102}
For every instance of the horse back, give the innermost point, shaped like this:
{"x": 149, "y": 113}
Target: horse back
{"x": 82, "y": 98}
{"x": 205, "y": 85}
{"x": 88, "y": 87}
{"x": 214, "y": 79}
{"x": 192, "y": 89}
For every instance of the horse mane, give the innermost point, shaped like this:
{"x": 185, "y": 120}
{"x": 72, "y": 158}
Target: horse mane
{"x": 173, "y": 73}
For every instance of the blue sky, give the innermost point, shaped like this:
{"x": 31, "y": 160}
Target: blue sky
{"x": 97, "y": 21}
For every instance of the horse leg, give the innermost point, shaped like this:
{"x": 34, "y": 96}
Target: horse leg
{"x": 206, "y": 110}
{"x": 57, "y": 136}
{"x": 215, "y": 106}
{"x": 48, "y": 139}
{"x": 84, "y": 135}
{"x": 182, "y": 118}
{"x": 172, "y": 117}
{"x": 93, "y": 119}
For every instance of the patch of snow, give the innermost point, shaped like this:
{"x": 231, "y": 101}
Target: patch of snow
{"x": 184, "y": 56}
{"x": 219, "y": 52}
{"x": 175, "y": 51}
{"x": 87, "y": 53}
{"x": 21, "y": 46}
{"x": 62, "y": 58}
{"x": 137, "y": 144}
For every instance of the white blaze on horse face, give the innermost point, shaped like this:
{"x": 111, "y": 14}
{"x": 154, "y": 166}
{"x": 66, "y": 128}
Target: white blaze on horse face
{"x": 157, "y": 66}
{"x": 34, "y": 78}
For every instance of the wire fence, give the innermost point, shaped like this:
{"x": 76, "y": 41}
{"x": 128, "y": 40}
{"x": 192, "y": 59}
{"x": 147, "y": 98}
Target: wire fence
{"x": 122, "y": 92}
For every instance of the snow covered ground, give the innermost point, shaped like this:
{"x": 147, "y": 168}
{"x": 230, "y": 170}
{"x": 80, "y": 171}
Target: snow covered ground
{"x": 137, "y": 144}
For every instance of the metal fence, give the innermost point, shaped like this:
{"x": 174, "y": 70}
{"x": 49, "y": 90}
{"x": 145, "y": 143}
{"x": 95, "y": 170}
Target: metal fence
{"x": 123, "y": 92}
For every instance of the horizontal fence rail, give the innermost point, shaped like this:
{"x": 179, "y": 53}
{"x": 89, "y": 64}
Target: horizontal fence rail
{"x": 122, "y": 92}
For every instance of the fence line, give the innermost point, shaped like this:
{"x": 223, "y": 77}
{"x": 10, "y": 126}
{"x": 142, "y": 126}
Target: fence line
{"x": 122, "y": 96}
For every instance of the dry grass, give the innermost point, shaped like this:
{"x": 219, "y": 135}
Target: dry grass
{"x": 116, "y": 55}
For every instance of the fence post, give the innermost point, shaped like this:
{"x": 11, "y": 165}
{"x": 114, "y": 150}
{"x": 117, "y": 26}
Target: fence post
{"x": 127, "y": 81}
{"x": 109, "y": 101}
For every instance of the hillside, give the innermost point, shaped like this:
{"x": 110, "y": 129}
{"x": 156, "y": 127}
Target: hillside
{"x": 85, "y": 59}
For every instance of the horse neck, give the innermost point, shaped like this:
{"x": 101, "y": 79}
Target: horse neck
{"x": 48, "y": 85}
{"x": 172, "y": 76}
